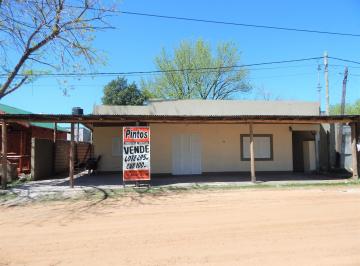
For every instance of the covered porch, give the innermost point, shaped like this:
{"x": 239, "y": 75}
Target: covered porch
{"x": 249, "y": 122}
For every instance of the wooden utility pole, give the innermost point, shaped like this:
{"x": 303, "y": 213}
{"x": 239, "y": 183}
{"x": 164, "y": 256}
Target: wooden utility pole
{"x": 4, "y": 155}
{"x": 71, "y": 157}
{"x": 252, "y": 154}
{"x": 354, "y": 151}
{"x": 340, "y": 138}
{"x": 326, "y": 71}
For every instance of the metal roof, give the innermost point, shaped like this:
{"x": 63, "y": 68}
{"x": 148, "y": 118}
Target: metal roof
{"x": 96, "y": 119}
{"x": 13, "y": 110}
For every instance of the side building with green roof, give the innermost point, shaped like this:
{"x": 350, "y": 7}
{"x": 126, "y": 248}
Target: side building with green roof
{"x": 19, "y": 137}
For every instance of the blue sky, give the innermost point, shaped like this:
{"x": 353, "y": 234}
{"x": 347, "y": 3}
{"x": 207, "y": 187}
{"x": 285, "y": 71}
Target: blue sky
{"x": 136, "y": 41}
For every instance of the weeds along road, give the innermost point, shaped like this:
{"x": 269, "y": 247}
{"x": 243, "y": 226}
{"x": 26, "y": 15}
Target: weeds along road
{"x": 314, "y": 226}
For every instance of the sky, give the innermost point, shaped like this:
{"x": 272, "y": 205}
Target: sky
{"x": 136, "y": 41}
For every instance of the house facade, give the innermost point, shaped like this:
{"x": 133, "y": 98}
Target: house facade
{"x": 211, "y": 143}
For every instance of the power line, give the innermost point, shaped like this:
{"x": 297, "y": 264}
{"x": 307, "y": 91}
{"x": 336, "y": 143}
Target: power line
{"x": 345, "y": 60}
{"x": 239, "y": 24}
{"x": 229, "y": 23}
{"x": 72, "y": 74}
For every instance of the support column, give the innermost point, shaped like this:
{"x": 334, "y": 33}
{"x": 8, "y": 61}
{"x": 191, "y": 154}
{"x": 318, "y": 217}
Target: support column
{"x": 252, "y": 154}
{"x": 71, "y": 157}
{"x": 4, "y": 155}
{"x": 354, "y": 152}
{"x": 55, "y": 132}
{"x": 54, "y": 149}
{"x": 22, "y": 153}
{"x": 317, "y": 151}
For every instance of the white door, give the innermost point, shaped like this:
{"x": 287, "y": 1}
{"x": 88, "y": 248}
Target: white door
{"x": 186, "y": 154}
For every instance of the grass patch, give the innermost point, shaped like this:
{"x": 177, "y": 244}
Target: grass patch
{"x": 168, "y": 190}
{"x": 100, "y": 194}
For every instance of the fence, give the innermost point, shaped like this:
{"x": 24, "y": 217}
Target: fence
{"x": 49, "y": 159}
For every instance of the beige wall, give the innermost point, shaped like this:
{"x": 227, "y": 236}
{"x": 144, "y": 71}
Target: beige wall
{"x": 220, "y": 146}
{"x": 102, "y": 139}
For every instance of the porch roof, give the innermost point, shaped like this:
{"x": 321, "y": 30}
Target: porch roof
{"x": 98, "y": 120}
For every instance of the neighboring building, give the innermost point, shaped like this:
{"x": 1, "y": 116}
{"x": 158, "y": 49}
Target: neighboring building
{"x": 19, "y": 138}
{"x": 180, "y": 146}
{"x": 81, "y": 134}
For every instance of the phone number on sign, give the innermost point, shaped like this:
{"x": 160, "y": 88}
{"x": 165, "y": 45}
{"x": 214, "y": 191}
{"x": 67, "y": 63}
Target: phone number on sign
{"x": 136, "y": 158}
{"x": 139, "y": 165}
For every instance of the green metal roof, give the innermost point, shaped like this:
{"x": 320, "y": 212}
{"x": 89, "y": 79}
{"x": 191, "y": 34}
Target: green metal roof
{"x": 13, "y": 110}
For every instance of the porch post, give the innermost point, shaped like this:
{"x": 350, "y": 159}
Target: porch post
{"x": 55, "y": 132}
{"x": 54, "y": 148}
{"x": 354, "y": 152}
{"x": 4, "y": 154}
{"x": 317, "y": 151}
{"x": 252, "y": 155}
{"x": 21, "y": 151}
{"x": 71, "y": 157}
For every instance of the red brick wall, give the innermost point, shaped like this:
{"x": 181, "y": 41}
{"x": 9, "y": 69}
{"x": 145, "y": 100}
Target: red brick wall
{"x": 45, "y": 133}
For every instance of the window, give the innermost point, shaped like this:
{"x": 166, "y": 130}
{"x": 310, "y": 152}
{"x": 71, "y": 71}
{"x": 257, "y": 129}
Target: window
{"x": 116, "y": 146}
{"x": 263, "y": 147}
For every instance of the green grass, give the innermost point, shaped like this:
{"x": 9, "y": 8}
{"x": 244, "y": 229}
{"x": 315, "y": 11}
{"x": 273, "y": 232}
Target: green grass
{"x": 99, "y": 194}
{"x": 168, "y": 190}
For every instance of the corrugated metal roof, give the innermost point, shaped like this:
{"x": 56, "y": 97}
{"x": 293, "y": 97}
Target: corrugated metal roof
{"x": 212, "y": 108}
{"x": 93, "y": 119}
{"x": 13, "y": 110}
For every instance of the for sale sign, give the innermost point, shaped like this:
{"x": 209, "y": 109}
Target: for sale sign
{"x": 136, "y": 153}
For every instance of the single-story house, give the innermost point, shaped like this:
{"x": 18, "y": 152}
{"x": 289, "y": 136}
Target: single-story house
{"x": 190, "y": 137}
{"x": 19, "y": 135}
{"x": 207, "y": 136}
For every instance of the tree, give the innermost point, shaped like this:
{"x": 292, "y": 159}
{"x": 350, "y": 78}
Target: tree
{"x": 119, "y": 92}
{"x": 350, "y": 109}
{"x": 44, "y": 35}
{"x": 181, "y": 78}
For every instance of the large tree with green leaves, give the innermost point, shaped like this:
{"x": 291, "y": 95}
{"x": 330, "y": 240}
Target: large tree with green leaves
{"x": 39, "y": 36}
{"x": 119, "y": 92}
{"x": 350, "y": 109}
{"x": 194, "y": 70}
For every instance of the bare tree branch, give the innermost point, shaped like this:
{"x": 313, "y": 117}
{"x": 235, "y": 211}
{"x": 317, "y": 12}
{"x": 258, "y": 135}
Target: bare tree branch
{"x": 47, "y": 33}
{"x": 22, "y": 81}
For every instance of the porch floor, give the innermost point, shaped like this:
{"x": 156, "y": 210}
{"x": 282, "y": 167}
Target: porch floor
{"x": 115, "y": 179}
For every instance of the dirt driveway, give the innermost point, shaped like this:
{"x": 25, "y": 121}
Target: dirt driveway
{"x": 238, "y": 227}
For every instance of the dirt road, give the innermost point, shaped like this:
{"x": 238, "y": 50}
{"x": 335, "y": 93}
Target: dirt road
{"x": 239, "y": 227}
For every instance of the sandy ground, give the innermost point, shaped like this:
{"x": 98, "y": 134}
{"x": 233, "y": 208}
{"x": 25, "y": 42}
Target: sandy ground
{"x": 239, "y": 227}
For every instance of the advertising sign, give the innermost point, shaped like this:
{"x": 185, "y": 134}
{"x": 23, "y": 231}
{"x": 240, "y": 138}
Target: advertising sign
{"x": 136, "y": 153}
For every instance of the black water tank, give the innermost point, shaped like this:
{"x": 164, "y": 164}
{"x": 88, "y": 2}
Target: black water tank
{"x": 77, "y": 111}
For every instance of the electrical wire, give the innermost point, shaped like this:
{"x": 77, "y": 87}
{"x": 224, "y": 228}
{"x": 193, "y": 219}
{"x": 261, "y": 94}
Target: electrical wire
{"x": 345, "y": 60}
{"x": 229, "y": 23}
{"x": 73, "y": 74}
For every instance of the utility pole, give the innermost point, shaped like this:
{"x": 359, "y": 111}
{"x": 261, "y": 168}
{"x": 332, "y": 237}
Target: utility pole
{"x": 331, "y": 140}
{"x": 326, "y": 71}
{"x": 343, "y": 96}
{"x": 340, "y": 137}
{"x": 319, "y": 88}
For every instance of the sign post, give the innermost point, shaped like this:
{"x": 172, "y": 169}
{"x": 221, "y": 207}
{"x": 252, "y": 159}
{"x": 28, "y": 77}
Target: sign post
{"x": 136, "y": 154}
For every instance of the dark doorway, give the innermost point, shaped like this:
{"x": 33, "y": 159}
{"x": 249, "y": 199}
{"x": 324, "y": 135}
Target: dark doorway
{"x": 297, "y": 144}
